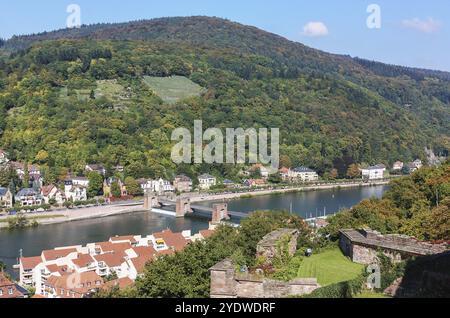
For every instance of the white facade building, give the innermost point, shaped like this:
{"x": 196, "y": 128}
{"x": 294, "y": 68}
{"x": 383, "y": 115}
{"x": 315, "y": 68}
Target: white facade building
{"x": 374, "y": 172}
{"x": 206, "y": 181}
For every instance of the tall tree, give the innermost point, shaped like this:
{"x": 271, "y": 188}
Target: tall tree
{"x": 95, "y": 184}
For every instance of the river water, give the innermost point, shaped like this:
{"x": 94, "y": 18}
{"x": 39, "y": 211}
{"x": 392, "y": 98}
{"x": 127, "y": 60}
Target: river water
{"x": 306, "y": 204}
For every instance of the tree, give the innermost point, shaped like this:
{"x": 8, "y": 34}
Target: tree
{"x": 95, "y": 184}
{"x": 353, "y": 171}
{"x": 275, "y": 178}
{"x": 2, "y": 266}
{"x": 133, "y": 187}
{"x": 334, "y": 174}
{"x": 26, "y": 176}
{"x": 186, "y": 274}
{"x": 115, "y": 190}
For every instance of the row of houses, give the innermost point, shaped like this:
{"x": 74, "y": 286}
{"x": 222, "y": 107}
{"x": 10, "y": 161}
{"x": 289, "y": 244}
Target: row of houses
{"x": 75, "y": 189}
{"x": 78, "y": 271}
{"x": 379, "y": 171}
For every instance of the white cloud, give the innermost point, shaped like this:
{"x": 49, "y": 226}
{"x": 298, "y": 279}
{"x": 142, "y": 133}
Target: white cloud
{"x": 315, "y": 29}
{"x": 426, "y": 26}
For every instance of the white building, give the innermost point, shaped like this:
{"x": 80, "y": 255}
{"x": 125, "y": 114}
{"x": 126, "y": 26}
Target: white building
{"x": 418, "y": 163}
{"x": 374, "y": 172}
{"x": 96, "y": 168}
{"x": 74, "y": 192}
{"x": 303, "y": 174}
{"x": 6, "y": 198}
{"x": 51, "y": 192}
{"x": 206, "y": 181}
{"x": 28, "y": 197}
{"x": 398, "y": 166}
{"x": 160, "y": 186}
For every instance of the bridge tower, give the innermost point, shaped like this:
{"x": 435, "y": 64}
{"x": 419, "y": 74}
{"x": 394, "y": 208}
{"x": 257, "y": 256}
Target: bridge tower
{"x": 150, "y": 200}
{"x": 220, "y": 213}
{"x": 183, "y": 207}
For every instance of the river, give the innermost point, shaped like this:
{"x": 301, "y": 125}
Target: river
{"x": 306, "y": 204}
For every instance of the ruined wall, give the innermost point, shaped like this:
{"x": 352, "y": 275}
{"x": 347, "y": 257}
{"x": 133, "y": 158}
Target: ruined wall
{"x": 366, "y": 255}
{"x": 225, "y": 283}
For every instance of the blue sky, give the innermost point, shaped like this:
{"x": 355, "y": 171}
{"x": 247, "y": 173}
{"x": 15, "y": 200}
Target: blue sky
{"x": 413, "y": 33}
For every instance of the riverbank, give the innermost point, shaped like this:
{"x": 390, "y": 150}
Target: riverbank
{"x": 70, "y": 215}
{"x": 264, "y": 192}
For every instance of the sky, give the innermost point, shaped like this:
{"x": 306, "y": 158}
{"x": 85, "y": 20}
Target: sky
{"x": 404, "y": 32}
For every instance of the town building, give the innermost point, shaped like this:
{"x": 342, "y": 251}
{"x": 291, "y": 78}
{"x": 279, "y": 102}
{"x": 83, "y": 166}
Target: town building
{"x": 160, "y": 186}
{"x": 52, "y": 193}
{"x": 182, "y": 183}
{"x": 228, "y": 184}
{"x": 254, "y": 183}
{"x": 75, "y": 189}
{"x": 284, "y": 173}
{"x": 259, "y": 168}
{"x": 107, "y": 183}
{"x": 303, "y": 174}
{"x": 124, "y": 256}
{"x": 96, "y": 168}
{"x": 28, "y": 197}
{"x": 34, "y": 172}
{"x": 398, "y": 166}
{"x": 374, "y": 173}
{"x": 6, "y": 198}
{"x": 363, "y": 246}
{"x": 70, "y": 285}
{"x": 9, "y": 289}
{"x": 206, "y": 181}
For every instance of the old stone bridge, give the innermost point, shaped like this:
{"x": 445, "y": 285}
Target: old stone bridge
{"x": 181, "y": 207}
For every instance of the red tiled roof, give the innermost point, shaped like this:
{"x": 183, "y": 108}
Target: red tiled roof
{"x": 6, "y": 285}
{"x": 30, "y": 262}
{"x": 144, "y": 250}
{"x": 45, "y": 190}
{"x": 123, "y": 238}
{"x": 173, "y": 240}
{"x": 111, "y": 259}
{"x": 53, "y": 268}
{"x": 51, "y": 255}
{"x": 113, "y": 247}
{"x": 83, "y": 260}
{"x": 140, "y": 262}
{"x": 207, "y": 233}
{"x": 84, "y": 283}
{"x": 121, "y": 283}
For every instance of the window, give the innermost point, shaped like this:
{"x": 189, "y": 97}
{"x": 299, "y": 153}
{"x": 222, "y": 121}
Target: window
{"x": 10, "y": 290}
{"x": 1, "y": 292}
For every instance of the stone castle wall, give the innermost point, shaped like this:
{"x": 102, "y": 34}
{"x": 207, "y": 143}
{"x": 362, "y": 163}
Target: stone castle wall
{"x": 226, "y": 283}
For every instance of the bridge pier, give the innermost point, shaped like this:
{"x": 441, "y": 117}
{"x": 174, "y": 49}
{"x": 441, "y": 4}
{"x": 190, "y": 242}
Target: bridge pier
{"x": 220, "y": 213}
{"x": 150, "y": 200}
{"x": 183, "y": 207}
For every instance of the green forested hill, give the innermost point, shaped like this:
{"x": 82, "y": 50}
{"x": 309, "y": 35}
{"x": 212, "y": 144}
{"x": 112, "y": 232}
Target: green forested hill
{"x": 74, "y": 96}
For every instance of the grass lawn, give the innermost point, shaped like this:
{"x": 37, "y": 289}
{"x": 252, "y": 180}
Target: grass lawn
{"x": 172, "y": 89}
{"x": 109, "y": 89}
{"x": 329, "y": 267}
